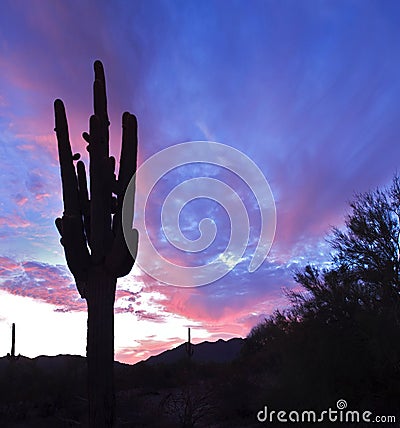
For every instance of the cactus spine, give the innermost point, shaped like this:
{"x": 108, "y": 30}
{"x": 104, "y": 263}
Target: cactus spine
{"x": 92, "y": 236}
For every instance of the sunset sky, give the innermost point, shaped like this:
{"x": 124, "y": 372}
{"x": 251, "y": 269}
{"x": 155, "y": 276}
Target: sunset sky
{"x": 308, "y": 89}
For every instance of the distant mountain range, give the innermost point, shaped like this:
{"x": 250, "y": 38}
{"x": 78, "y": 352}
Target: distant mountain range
{"x": 220, "y": 351}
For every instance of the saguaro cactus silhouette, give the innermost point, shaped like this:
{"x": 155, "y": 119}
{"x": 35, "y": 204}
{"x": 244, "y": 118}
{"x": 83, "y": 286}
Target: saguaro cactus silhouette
{"x": 189, "y": 346}
{"x": 12, "y": 356}
{"x": 92, "y": 236}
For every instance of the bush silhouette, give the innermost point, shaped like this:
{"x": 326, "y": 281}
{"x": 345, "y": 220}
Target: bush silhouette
{"x": 339, "y": 337}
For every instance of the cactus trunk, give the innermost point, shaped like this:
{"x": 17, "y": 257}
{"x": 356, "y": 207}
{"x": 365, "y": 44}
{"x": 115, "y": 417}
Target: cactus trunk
{"x": 100, "y": 347}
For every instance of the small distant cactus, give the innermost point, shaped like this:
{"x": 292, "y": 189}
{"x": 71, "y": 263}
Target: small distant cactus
{"x": 189, "y": 346}
{"x": 12, "y": 356}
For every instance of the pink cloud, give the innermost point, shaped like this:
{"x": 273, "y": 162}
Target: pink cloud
{"x": 145, "y": 349}
{"x": 41, "y": 196}
{"x": 217, "y": 303}
{"x": 26, "y": 147}
{"x": 223, "y": 312}
{"x": 14, "y": 222}
{"x": 21, "y": 200}
{"x": 36, "y": 142}
{"x": 8, "y": 266}
{"x": 51, "y": 284}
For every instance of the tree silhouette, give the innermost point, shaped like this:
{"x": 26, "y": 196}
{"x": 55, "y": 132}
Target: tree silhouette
{"x": 365, "y": 269}
{"x": 92, "y": 236}
{"x": 370, "y": 245}
{"x": 340, "y": 335}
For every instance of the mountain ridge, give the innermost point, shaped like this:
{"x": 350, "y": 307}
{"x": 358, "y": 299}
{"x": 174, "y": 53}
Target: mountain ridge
{"x": 219, "y": 351}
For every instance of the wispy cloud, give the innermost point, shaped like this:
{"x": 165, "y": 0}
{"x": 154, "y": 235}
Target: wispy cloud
{"x": 50, "y": 284}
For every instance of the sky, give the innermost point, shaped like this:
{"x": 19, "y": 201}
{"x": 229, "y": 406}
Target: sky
{"x": 309, "y": 90}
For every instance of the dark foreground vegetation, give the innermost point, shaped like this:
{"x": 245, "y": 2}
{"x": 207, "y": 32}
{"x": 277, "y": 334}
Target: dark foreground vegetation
{"x": 339, "y": 339}
{"x": 51, "y": 392}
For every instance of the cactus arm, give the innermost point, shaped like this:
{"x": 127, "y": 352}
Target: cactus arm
{"x": 68, "y": 176}
{"x": 70, "y": 226}
{"x": 97, "y": 209}
{"x": 100, "y": 103}
{"x": 108, "y": 163}
{"x": 84, "y": 197}
{"x": 128, "y": 152}
{"x": 100, "y": 164}
{"x": 120, "y": 260}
